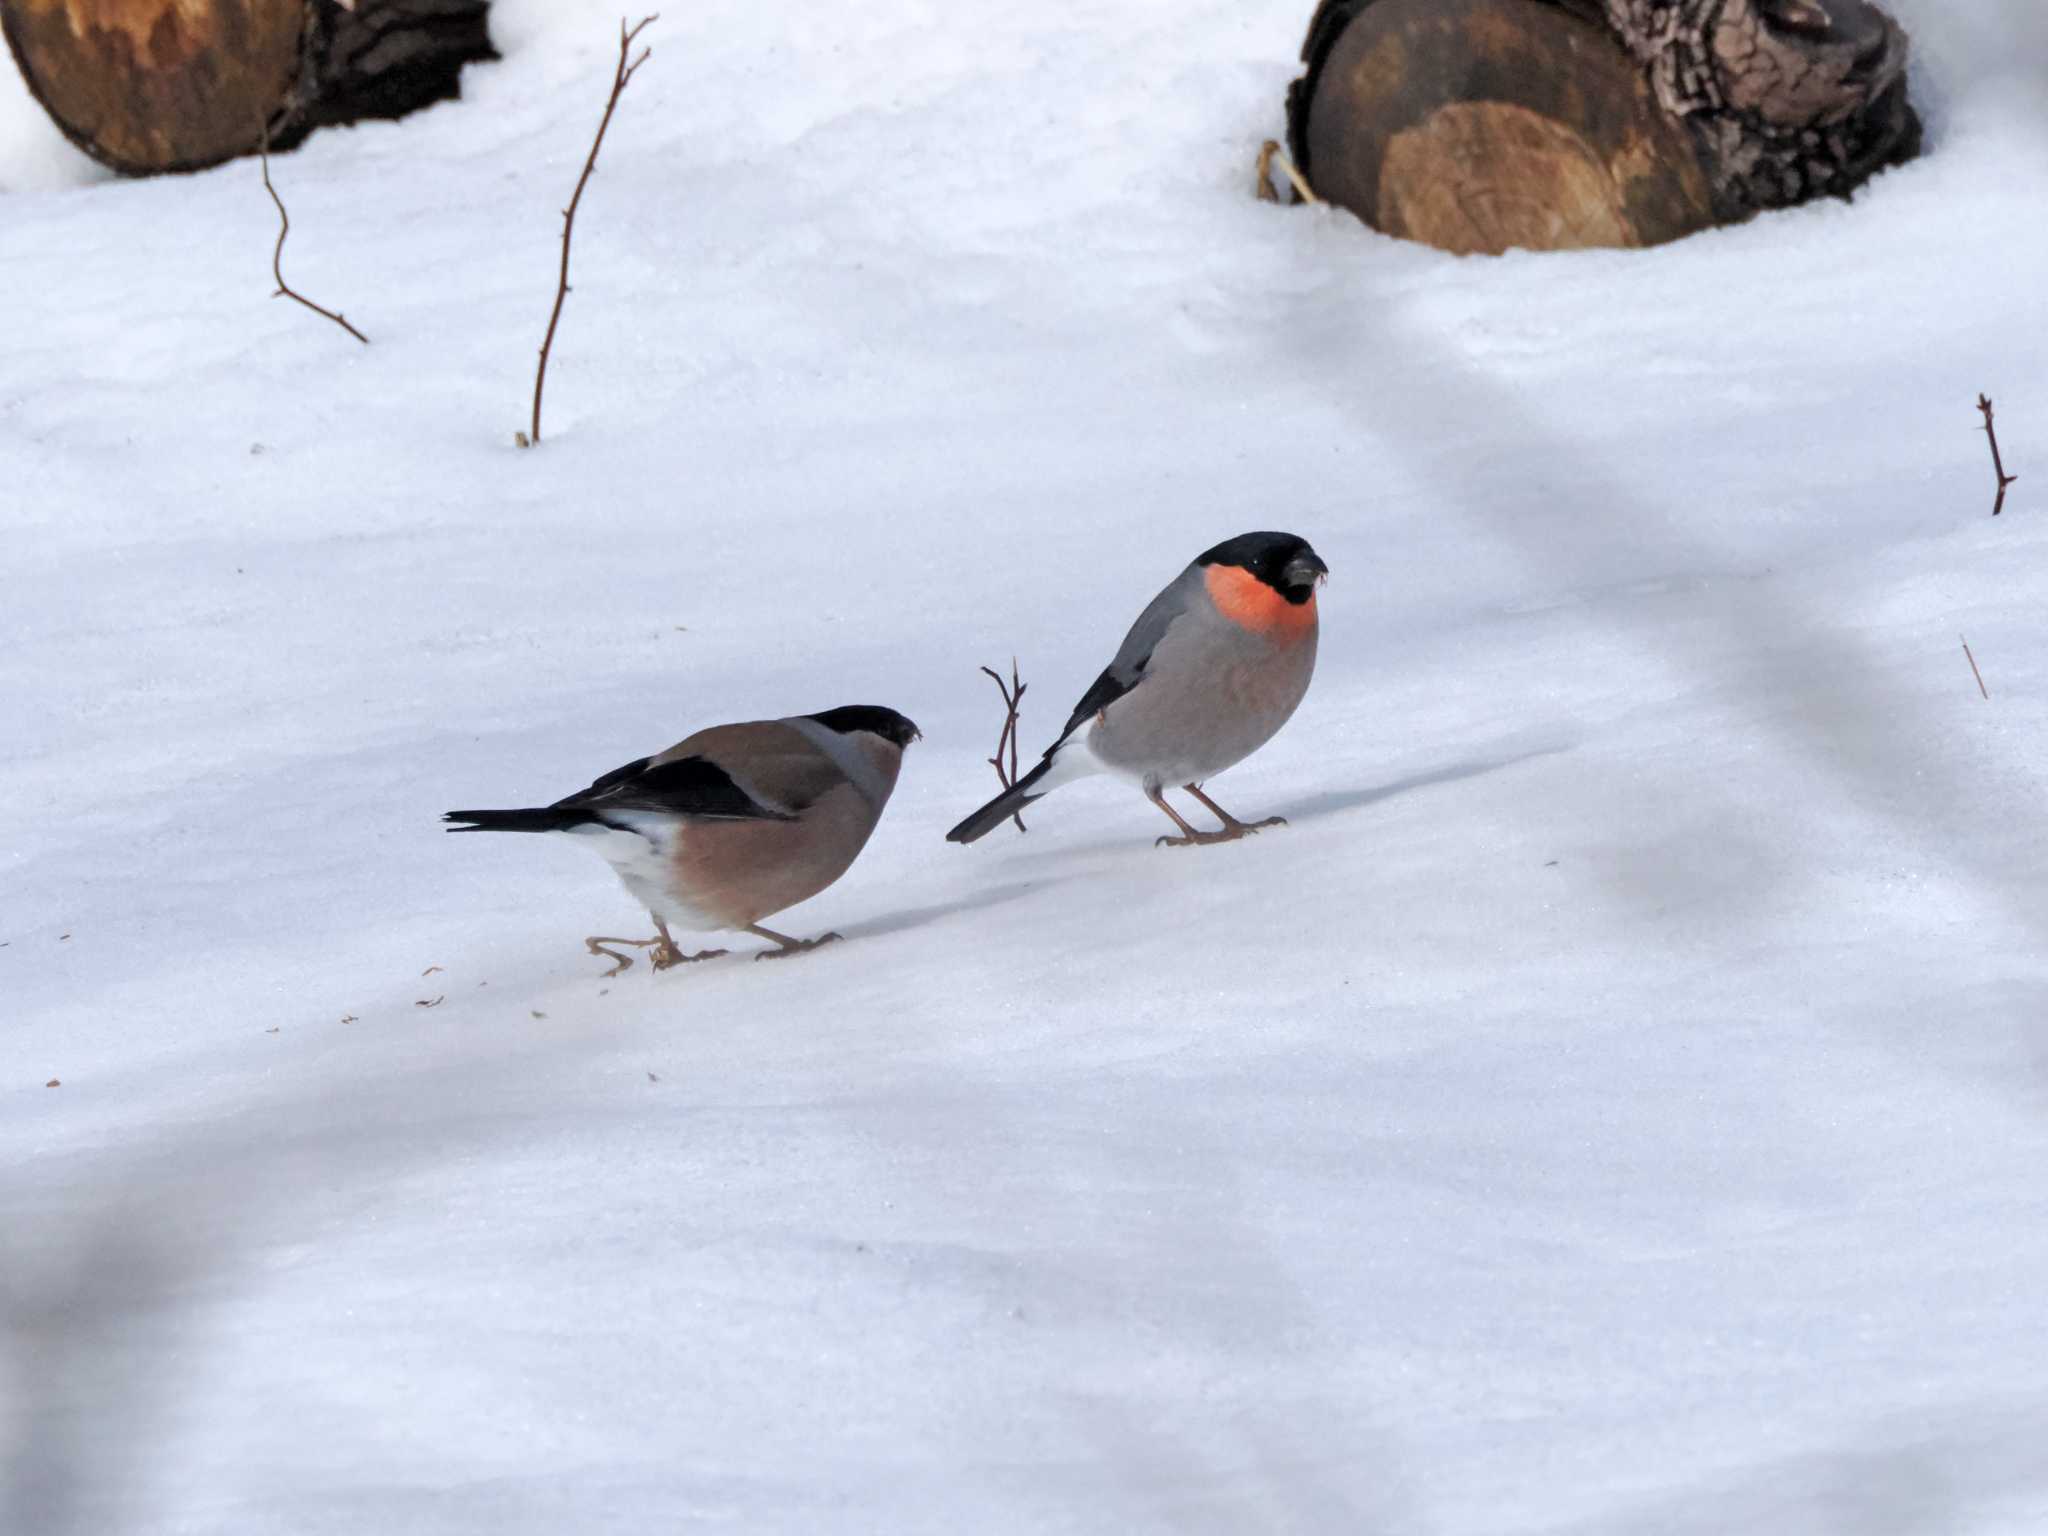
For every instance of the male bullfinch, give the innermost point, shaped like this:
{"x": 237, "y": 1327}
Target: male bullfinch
{"x": 1214, "y": 666}
{"x": 731, "y": 825}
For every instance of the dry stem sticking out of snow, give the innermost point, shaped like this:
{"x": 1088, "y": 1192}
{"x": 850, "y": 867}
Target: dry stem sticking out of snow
{"x": 284, "y": 227}
{"x": 1997, "y": 464}
{"x": 1013, "y": 695}
{"x": 622, "y": 76}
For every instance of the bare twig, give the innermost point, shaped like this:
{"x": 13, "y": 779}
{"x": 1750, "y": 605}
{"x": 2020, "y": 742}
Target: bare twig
{"x": 284, "y": 227}
{"x": 1997, "y": 464}
{"x": 1269, "y": 152}
{"x": 622, "y": 76}
{"x": 1262, "y": 183}
{"x": 1013, "y": 695}
{"x": 1973, "y": 669}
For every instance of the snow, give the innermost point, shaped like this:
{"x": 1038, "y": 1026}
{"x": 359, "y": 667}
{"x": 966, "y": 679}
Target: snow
{"x": 1617, "y": 1102}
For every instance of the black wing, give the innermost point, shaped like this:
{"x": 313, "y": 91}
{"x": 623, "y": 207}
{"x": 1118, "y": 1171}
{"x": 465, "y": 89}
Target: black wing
{"x": 685, "y": 786}
{"x": 1105, "y": 691}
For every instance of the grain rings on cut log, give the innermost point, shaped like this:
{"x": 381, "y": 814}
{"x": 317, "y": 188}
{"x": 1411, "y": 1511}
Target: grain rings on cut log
{"x": 177, "y": 85}
{"x": 1480, "y": 125}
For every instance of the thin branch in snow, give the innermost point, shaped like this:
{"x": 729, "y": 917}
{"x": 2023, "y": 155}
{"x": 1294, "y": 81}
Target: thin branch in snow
{"x": 284, "y": 227}
{"x": 1997, "y": 464}
{"x": 622, "y": 76}
{"x": 1013, "y": 695}
{"x": 1263, "y": 185}
{"x": 1973, "y": 669}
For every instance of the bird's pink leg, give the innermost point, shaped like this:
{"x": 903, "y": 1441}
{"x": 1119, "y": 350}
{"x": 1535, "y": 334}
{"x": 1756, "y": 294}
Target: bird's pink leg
{"x": 1189, "y": 836}
{"x": 1231, "y": 824}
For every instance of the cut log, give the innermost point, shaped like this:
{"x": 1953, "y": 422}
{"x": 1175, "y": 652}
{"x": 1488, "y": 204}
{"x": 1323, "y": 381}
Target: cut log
{"x": 177, "y": 85}
{"x": 1478, "y": 125}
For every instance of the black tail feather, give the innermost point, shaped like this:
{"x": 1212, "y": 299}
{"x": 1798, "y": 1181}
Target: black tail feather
{"x": 546, "y": 818}
{"x": 1005, "y": 805}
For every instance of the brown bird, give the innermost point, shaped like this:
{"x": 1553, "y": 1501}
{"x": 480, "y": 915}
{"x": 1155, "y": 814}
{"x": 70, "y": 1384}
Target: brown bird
{"x": 730, "y": 825}
{"x": 1213, "y": 668}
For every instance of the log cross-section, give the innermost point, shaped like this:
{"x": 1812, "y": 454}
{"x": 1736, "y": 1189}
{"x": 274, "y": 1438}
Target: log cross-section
{"x": 177, "y": 85}
{"x": 1480, "y": 125}
{"x": 1477, "y": 125}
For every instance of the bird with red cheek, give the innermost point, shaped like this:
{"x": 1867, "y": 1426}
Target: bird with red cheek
{"x": 1213, "y": 668}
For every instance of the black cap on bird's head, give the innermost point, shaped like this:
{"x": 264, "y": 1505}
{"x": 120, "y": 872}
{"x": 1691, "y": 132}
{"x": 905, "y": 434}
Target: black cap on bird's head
{"x": 1283, "y": 561}
{"x": 872, "y": 718}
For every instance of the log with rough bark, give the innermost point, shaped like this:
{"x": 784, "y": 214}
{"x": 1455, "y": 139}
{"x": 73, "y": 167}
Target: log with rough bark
{"x": 177, "y": 85}
{"x": 1479, "y": 125}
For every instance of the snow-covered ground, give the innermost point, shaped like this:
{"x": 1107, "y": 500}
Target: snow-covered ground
{"x": 1618, "y": 1103}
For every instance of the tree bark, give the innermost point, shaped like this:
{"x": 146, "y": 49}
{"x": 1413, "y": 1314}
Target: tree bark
{"x": 177, "y": 85}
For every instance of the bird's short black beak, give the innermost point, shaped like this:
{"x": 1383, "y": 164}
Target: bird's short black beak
{"x": 1305, "y": 569}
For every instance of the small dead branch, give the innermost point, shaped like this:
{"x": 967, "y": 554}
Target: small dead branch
{"x": 1263, "y": 186}
{"x": 1973, "y": 669}
{"x": 284, "y": 227}
{"x": 1262, "y": 183}
{"x": 1997, "y": 464}
{"x": 1013, "y": 695}
{"x": 622, "y": 76}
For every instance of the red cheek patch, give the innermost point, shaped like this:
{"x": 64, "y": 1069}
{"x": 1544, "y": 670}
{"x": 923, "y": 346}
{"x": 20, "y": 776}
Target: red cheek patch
{"x": 1250, "y": 604}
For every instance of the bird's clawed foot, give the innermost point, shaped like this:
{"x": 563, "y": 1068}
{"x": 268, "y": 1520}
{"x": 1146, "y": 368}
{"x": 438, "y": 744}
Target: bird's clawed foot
{"x": 1229, "y": 834}
{"x": 662, "y": 952}
{"x": 1238, "y": 828}
{"x": 786, "y": 944}
{"x": 1232, "y": 827}
{"x": 1231, "y": 830}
